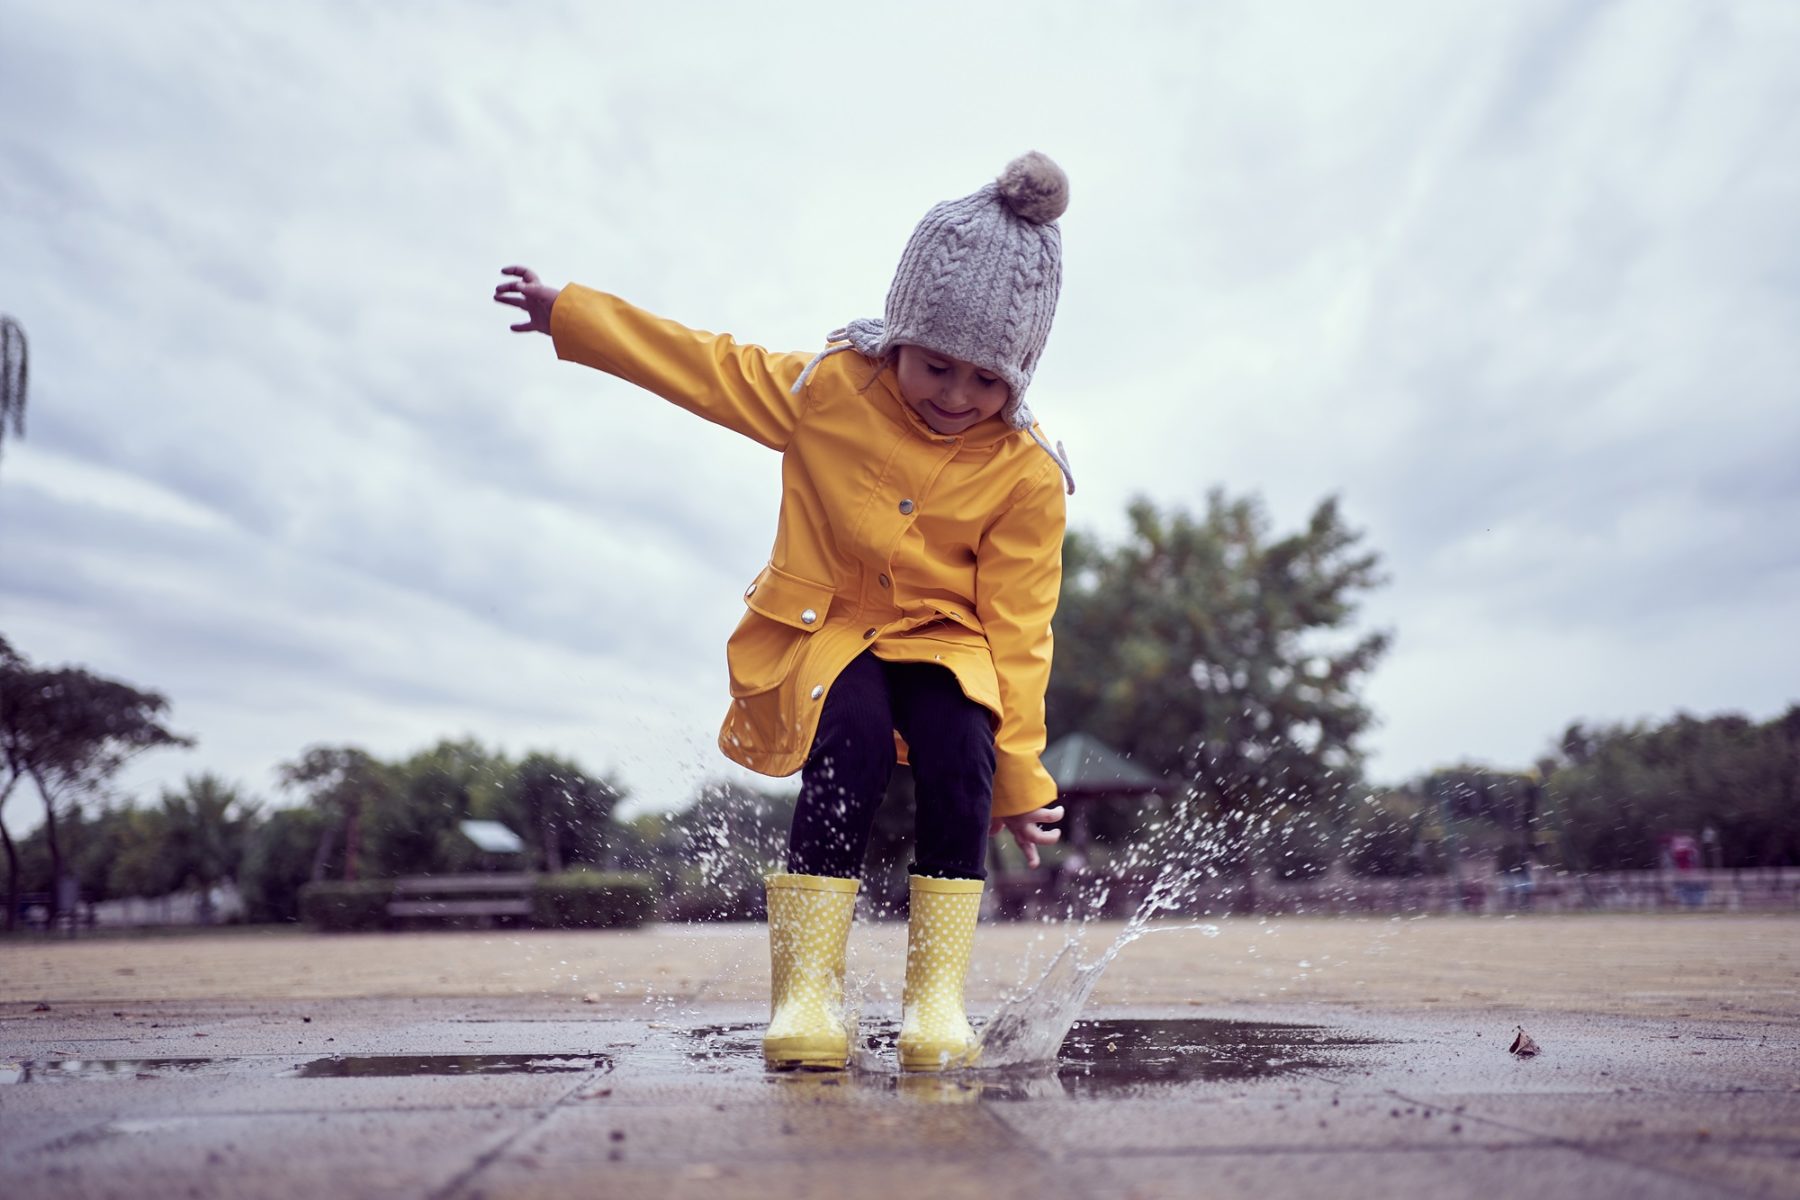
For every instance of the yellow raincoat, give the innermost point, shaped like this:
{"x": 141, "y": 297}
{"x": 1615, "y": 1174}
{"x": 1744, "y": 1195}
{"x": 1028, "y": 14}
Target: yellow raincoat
{"x": 920, "y": 546}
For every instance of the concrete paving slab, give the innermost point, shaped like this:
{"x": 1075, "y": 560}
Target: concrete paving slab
{"x": 1296, "y": 1119}
{"x": 991, "y": 1176}
{"x": 1657, "y": 1077}
{"x": 352, "y": 1154}
{"x": 1527, "y": 1172}
{"x": 239, "y": 1096}
{"x": 764, "y": 1132}
{"x": 1765, "y": 1170}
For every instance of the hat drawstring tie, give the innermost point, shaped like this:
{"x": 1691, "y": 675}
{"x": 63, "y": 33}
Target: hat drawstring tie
{"x": 837, "y": 345}
{"x": 1058, "y": 454}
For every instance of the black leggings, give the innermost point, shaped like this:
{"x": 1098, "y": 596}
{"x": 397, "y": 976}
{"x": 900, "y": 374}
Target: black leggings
{"x": 949, "y": 743}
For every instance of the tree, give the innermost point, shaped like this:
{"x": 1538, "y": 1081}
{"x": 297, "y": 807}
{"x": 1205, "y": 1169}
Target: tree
{"x": 70, "y": 731}
{"x": 564, "y": 815}
{"x": 340, "y": 782}
{"x": 15, "y": 375}
{"x": 1616, "y": 791}
{"x": 1214, "y": 655}
{"x": 414, "y": 828}
{"x": 278, "y": 858}
{"x": 208, "y": 825}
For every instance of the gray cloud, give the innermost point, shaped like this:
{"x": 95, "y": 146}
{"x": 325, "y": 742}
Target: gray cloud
{"x": 1517, "y": 283}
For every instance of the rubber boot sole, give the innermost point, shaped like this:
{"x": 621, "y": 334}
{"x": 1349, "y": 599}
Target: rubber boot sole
{"x": 786, "y": 1054}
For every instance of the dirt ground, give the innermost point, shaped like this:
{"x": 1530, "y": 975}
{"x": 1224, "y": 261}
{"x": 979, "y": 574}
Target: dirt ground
{"x": 1694, "y": 966}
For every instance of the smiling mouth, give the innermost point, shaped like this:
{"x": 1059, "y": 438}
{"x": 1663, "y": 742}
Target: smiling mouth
{"x": 947, "y": 414}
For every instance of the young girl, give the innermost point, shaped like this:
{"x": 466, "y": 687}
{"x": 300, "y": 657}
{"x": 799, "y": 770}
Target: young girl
{"x": 907, "y": 601}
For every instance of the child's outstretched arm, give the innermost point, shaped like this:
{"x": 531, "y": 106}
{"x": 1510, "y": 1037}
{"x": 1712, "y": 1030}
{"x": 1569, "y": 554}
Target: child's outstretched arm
{"x": 740, "y": 386}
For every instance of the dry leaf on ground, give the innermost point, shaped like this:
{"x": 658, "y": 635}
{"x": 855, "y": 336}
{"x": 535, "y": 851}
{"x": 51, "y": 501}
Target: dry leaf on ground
{"x": 1522, "y": 1045}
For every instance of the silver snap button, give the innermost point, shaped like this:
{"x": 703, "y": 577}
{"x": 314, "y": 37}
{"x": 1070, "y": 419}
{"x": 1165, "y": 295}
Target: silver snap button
{"x": 882, "y": 580}
{"x": 808, "y": 617}
{"x": 818, "y": 690}
{"x": 750, "y": 591}
{"x": 906, "y": 507}
{"x": 867, "y": 634}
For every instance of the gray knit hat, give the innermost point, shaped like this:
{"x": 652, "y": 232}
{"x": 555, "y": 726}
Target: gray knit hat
{"x": 978, "y": 281}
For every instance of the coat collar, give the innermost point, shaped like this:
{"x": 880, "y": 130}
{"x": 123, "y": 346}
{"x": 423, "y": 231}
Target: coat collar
{"x": 987, "y": 435}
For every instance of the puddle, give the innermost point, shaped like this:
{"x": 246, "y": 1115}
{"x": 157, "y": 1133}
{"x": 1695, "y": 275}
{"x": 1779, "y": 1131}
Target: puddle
{"x": 334, "y": 1067}
{"x": 344, "y": 1066}
{"x": 90, "y": 1069}
{"x": 1107, "y": 1057}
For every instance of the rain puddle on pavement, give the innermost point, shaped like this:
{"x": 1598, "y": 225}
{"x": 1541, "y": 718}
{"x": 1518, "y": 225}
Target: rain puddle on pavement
{"x": 342, "y": 1066}
{"x": 1107, "y": 1057}
{"x": 71, "y": 1070}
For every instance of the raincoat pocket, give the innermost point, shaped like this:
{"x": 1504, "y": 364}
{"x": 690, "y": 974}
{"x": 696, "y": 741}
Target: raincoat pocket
{"x": 783, "y": 610}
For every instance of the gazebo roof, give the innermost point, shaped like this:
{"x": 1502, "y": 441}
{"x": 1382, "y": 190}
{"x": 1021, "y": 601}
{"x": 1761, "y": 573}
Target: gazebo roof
{"x": 1083, "y": 765}
{"x": 493, "y": 837}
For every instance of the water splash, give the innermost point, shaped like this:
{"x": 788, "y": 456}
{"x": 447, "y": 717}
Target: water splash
{"x": 1030, "y": 1026}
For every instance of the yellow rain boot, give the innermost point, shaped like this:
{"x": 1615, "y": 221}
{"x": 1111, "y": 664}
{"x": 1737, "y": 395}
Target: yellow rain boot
{"x": 934, "y": 1031}
{"x": 809, "y": 924}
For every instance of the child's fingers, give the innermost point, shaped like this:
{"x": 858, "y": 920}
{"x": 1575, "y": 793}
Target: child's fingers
{"x": 521, "y": 327}
{"x": 525, "y": 274}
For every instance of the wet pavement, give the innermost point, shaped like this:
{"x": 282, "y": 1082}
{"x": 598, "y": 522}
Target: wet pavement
{"x": 543, "y": 1096}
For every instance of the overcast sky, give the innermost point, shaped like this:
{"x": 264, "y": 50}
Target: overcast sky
{"x": 1519, "y": 282}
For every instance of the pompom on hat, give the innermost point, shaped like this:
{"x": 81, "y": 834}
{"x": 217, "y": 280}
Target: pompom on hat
{"x": 978, "y": 281}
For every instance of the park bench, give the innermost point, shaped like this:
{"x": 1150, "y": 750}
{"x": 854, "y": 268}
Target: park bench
{"x": 459, "y": 896}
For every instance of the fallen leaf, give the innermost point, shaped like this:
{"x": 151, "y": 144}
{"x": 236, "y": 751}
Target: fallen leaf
{"x": 41, "y": 1008}
{"x": 1522, "y": 1045}
{"x": 591, "y": 998}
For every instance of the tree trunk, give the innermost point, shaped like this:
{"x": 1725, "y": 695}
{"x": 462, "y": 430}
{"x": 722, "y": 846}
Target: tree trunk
{"x": 56, "y": 868}
{"x": 352, "y": 839}
{"x": 12, "y": 879}
{"x": 551, "y": 845}
{"x": 12, "y": 859}
{"x": 322, "y": 854}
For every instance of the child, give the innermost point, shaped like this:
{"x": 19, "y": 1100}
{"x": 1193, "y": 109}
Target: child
{"x": 916, "y": 565}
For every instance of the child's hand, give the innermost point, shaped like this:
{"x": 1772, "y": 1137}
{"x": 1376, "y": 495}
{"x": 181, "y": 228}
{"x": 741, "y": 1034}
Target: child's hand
{"x": 1027, "y": 830}
{"x": 537, "y": 299}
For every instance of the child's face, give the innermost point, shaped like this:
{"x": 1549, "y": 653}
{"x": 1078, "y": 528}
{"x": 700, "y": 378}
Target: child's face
{"x": 950, "y": 394}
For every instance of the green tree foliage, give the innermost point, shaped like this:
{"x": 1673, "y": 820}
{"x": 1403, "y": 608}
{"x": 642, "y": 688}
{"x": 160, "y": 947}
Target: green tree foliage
{"x": 207, "y": 826}
{"x": 143, "y": 864}
{"x": 710, "y": 857}
{"x": 341, "y": 783}
{"x": 1215, "y": 654}
{"x": 563, "y": 814}
{"x": 278, "y": 858}
{"x": 1618, "y": 790}
{"x": 69, "y": 731}
{"x": 414, "y": 821}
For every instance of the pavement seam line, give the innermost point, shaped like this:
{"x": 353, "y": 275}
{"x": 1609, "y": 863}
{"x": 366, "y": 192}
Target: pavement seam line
{"x": 1591, "y": 1151}
{"x": 458, "y": 1182}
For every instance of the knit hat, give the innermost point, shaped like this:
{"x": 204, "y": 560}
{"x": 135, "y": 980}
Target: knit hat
{"x": 978, "y": 281}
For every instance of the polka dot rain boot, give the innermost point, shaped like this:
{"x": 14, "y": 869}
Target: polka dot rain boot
{"x": 809, "y": 925}
{"x": 934, "y": 1030}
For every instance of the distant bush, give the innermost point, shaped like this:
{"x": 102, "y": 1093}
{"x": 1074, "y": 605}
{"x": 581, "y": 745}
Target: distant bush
{"x": 346, "y": 907}
{"x": 592, "y": 900}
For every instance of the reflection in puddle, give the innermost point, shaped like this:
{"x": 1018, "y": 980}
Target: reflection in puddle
{"x": 342, "y": 1066}
{"x": 100, "y": 1068}
{"x": 1098, "y": 1058}
{"x": 335, "y": 1067}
